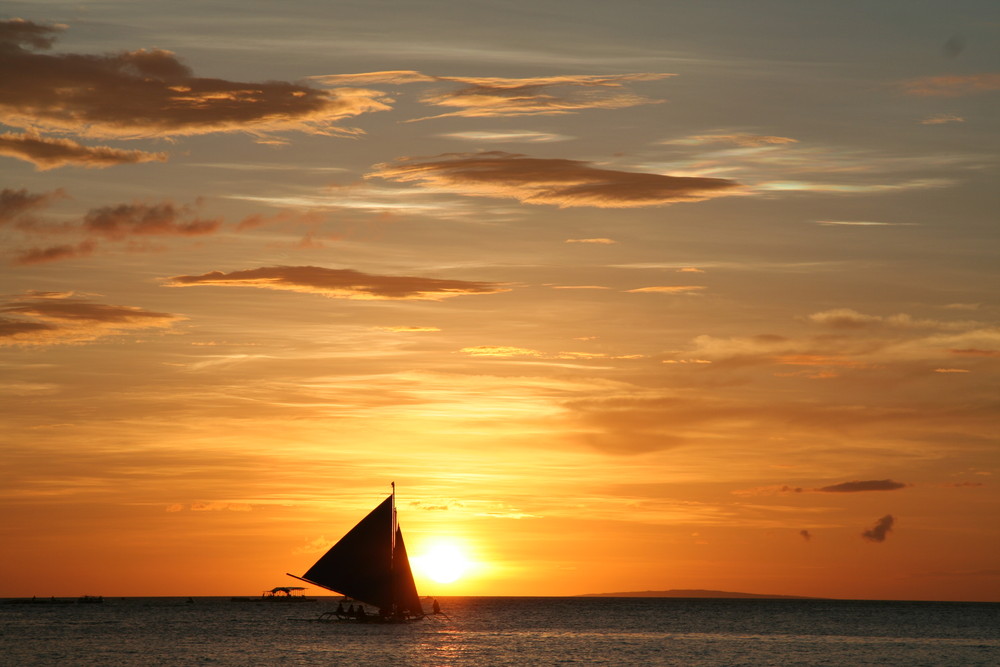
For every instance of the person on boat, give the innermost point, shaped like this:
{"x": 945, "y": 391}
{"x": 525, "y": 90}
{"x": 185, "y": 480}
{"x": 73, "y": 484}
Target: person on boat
{"x": 436, "y": 607}
{"x": 360, "y": 613}
{"x": 340, "y": 608}
{"x": 350, "y": 610}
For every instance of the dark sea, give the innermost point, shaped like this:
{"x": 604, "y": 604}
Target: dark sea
{"x": 485, "y": 631}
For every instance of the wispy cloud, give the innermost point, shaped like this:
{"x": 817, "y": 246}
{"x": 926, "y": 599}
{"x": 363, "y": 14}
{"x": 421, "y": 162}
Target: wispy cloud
{"x": 560, "y": 182}
{"x": 848, "y": 188}
{"x": 597, "y": 241}
{"x": 954, "y": 85}
{"x": 670, "y": 289}
{"x": 60, "y": 318}
{"x": 150, "y": 93}
{"x": 340, "y": 283}
{"x": 863, "y": 223}
{"x": 513, "y": 352}
{"x": 861, "y": 486}
{"x": 847, "y": 318}
{"x": 844, "y": 487}
{"x": 942, "y": 119}
{"x": 773, "y": 164}
{"x": 734, "y": 138}
{"x": 47, "y": 153}
{"x": 490, "y": 97}
{"x": 507, "y": 136}
{"x": 485, "y": 97}
{"x": 55, "y": 253}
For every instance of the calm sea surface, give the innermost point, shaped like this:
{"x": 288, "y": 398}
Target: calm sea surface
{"x": 137, "y": 632}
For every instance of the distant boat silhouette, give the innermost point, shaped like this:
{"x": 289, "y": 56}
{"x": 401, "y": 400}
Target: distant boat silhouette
{"x": 278, "y": 594}
{"x": 369, "y": 564}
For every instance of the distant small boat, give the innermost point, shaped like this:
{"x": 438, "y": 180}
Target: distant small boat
{"x": 277, "y": 594}
{"x": 369, "y": 564}
{"x": 91, "y": 599}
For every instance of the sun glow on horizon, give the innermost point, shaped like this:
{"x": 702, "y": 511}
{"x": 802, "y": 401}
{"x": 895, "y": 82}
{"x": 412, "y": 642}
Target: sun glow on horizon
{"x": 443, "y": 562}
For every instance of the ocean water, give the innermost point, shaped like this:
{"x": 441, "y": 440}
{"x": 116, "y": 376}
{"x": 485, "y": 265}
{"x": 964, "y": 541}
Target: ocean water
{"x": 480, "y": 631}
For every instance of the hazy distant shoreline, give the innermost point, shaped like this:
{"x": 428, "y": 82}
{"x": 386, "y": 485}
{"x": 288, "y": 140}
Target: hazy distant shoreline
{"x": 694, "y": 593}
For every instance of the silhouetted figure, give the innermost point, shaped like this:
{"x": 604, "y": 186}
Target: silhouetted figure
{"x": 360, "y": 613}
{"x": 436, "y": 607}
{"x": 340, "y": 609}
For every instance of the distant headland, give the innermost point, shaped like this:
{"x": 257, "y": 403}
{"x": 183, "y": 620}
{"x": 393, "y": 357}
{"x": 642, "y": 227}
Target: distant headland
{"x": 694, "y": 593}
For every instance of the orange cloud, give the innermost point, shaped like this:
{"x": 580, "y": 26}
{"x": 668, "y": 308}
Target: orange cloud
{"x": 600, "y": 241}
{"x": 669, "y": 289}
{"x": 340, "y": 283}
{"x": 973, "y": 352}
{"x": 16, "y": 203}
{"x": 810, "y": 359}
{"x": 370, "y": 78}
{"x": 50, "y": 318}
{"x": 952, "y": 85}
{"x": 55, "y": 253}
{"x": 737, "y": 138}
{"x": 113, "y": 223}
{"x": 560, "y": 182}
{"x": 147, "y": 93}
{"x": 485, "y": 97}
{"x": 500, "y": 351}
{"x": 51, "y": 153}
{"x": 846, "y": 318}
{"x": 165, "y": 219}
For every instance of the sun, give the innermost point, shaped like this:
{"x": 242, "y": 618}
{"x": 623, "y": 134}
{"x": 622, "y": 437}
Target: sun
{"x": 442, "y": 562}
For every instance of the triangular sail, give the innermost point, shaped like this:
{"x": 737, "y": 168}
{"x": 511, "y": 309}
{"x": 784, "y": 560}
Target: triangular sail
{"x": 359, "y": 565}
{"x": 404, "y": 589}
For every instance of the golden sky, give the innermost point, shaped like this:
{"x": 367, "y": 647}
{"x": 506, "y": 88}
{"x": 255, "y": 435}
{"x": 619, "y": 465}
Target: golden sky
{"x": 623, "y": 296}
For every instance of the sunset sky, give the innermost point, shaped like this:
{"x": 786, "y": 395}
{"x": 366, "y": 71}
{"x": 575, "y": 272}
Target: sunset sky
{"x": 632, "y": 295}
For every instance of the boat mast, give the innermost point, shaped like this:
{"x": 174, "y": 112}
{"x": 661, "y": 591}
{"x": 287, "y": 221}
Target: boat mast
{"x": 392, "y": 551}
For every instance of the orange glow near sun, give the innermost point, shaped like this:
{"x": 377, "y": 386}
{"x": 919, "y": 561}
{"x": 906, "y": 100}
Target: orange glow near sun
{"x": 443, "y": 562}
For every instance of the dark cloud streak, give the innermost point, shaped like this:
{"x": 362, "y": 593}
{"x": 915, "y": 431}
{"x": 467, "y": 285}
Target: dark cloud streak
{"x": 560, "y": 182}
{"x": 859, "y": 486}
{"x": 47, "y": 153}
{"x": 340, "y": 283}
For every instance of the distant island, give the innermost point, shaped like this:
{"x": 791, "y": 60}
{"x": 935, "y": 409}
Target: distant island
{"x": 694, "y": 593}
